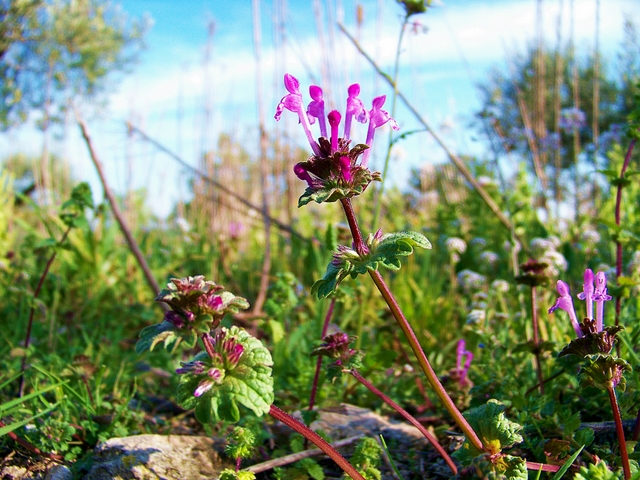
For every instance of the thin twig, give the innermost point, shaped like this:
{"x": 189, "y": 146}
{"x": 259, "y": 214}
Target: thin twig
{"x": 294, "y": 457}
{"x": 218, "y": 185}
{"x": 21, "y": 441}
{"x": 133, "y": 245}
{"x": 457, "y": 161}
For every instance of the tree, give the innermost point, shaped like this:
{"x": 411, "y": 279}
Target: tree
{"x": 542, "y": 112}
{"x": 54, "y": 52}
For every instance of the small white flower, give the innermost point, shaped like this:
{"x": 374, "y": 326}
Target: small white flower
{"x": 470, "y": 280}
{"x": 476, "y": 316}
{"x": 455, "y": 245}
{"x": 489, "y": 258}
{"x": 500, "y": 286}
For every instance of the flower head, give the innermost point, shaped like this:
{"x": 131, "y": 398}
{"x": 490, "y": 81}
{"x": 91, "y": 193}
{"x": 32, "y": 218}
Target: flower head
{"x": 590, "y": 293}
{"x": 338, "y": 348}
{"x": 335, "y": 170}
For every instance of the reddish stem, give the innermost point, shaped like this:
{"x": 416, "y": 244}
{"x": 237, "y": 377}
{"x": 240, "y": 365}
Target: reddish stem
{"x": 544, "y": 467}
{"x": 358, "y": 241}
{"x": 409, "y": 334}
{"x": 325, "y": 327}
{"x": 316, "y": 439}
{"x": 52, "y": 456}
{"x": 407, "y": 416}
{"x": 625, "y": 165}
{"x": 620, "y": 433}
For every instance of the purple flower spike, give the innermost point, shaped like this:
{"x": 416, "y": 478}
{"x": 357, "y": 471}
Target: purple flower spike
{"x": 600, "y": 296}
{"x": 334, "y": 122}
{"x": 377, "y": 118}
{"x": 293, "y": 103}
{"x": 315, "y": 110}
{"x": 355, "y": 108}
{"x": 462, "y": 354}
{"x": 587, "y": 293}
{"x": 565, "y": 302}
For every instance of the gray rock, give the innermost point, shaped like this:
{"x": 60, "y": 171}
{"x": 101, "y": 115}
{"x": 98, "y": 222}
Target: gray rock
{"x": 42, "y": 471}
{"x": 59, "y": 472}
{"x": 155, "y": 457}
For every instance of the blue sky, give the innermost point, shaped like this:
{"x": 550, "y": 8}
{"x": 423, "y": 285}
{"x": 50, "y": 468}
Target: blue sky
{"x": 441, "y": 64}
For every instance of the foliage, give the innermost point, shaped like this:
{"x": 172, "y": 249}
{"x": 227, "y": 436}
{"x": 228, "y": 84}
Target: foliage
{"x": 381, "y": 249}
{"x": 53, "y": 51}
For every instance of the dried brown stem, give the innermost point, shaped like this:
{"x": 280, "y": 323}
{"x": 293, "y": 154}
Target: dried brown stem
{"x": 133, "y": 245}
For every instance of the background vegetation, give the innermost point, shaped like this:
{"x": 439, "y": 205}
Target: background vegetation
{"x": 559, "y": 117}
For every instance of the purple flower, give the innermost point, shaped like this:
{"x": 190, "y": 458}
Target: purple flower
{"x": 293, "y": 103}
{"x": 600, "y": 296}
{"x": 175, "y": 318}
{"x": 345, "y": 167}
{"x": 565, "y": 302}
{"x": 463, "y": 355}
{"x": 203, "y": 387}
{"x": 195, "y": 368}
{"x": 315, "y": 110}
{"x": 355, "y": 108}
{"x": 377, "y": 118}
{"x": 334, "y": 122}
{"x": 587, "y": 293}
{"x": 590, "y": 294}
{"x": 334, "y": 166}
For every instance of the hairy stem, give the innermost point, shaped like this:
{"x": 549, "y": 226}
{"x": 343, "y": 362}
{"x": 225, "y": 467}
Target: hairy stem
{"x": 408, "y": 332}
{"x": 620, "y": 433}
{"x": 316, "y": 439}
{"x": 407, "y": 416}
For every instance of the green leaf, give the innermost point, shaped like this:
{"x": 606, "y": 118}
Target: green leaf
{"x": 567, "y": 464}
{"x": 248, "y": 383}
{"x": 604, "y": 371}
{"x": 167, "y": 334}
{"x": 495, "y": 431}
{"x": 384, "y": 250}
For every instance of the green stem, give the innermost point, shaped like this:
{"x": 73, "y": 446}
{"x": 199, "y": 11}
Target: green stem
{"x": 407, "y": 416}
{"x": 624, "y": 455}
{"x": 319, "y": 442}
{"x": 27, "y": 338}
{"x": 536, "y": 338}
{"x": 408, "y": 331}
{"x": 380, "y": 189}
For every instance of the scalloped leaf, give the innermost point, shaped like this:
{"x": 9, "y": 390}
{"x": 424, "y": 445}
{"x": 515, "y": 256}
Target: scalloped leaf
{"x": 604, "y": 371}
{"x": 493, "y": 428}
{"x": 386, "y": 252}
{"x": 249, "y": 384}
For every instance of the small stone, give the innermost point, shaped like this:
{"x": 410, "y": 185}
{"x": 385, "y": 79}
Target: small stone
{"x": 154, "y": 457}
